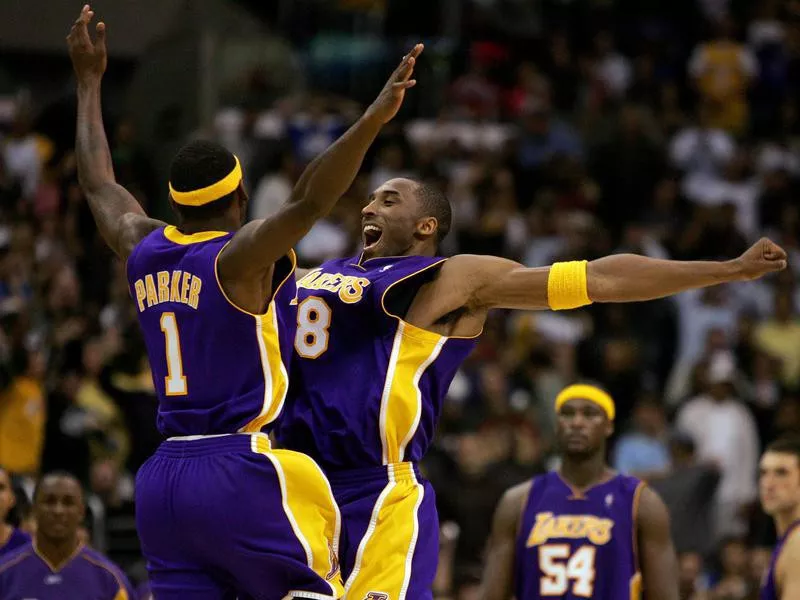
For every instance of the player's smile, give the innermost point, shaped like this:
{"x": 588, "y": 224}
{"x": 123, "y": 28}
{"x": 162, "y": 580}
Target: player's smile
{"x": 372, "y": 234}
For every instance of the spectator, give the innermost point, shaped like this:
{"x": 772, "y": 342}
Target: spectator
{"x": 688, "y": 488}
{"x": 724, "y": 431}
{"x": 643, "y": 451}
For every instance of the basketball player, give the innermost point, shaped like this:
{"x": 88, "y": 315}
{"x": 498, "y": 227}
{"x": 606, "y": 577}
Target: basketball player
{"x": 779, "y": 487}
{"x": 220, "y": 515}
{"x": 57, "y": 565}
{"x": 583, "y": 531}
{"x": 379, "y": 339}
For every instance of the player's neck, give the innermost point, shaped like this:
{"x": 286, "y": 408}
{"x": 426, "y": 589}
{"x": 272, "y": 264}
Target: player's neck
{"x": 784, "y": 521}
{"x": 57, "y": 552}
{"x": 5, "y": 533}
{"x": 215, "y": 224}
{"x": 582, "y": 473}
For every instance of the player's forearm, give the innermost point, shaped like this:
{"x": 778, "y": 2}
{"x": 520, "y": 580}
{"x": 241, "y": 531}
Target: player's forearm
{"x": 630, "y": 277}
{"x": 330, "y": 175}
{"x": 91, "y": 146}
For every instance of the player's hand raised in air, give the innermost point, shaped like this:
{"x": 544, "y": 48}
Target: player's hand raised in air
{"x": 390, "y": 99}
{"x": 765, "y": 256}
{"x": 89, "y": 58}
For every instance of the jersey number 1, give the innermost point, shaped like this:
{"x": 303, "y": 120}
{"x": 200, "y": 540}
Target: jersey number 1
{"x": 175, "y": 381}
{"x": 559, "y": 569}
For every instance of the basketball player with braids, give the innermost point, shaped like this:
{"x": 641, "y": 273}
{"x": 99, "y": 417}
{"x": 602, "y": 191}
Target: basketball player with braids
{"x": 221, "y": 514}
{"x": 583, "y": 531}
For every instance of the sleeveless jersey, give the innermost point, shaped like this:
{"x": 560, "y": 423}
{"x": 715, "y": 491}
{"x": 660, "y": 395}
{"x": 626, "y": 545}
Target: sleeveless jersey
{"x": 216, "y": 368}
{"x": 769, "y": 590}
{"x": 366, "y": 387}
{"x": 573, "y": 546}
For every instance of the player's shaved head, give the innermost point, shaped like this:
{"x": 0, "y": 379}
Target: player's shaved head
{"x": 582, "y": 428}
{"x": 58, "y": 505}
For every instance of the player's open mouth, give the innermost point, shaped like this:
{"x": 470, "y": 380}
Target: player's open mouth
{"x": 372, "y": 234}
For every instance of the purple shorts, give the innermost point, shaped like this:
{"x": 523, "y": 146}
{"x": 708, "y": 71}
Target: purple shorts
{"x": 389, "y": 547}
{"x": 227, "y": 517}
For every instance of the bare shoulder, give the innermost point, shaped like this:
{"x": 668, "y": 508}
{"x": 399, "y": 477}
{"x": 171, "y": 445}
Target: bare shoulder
{"x": 790, "y": 554}
{"x": 133, "y": 228}
{"x": 509, "y": 509}
{"x": 652, "y": 514}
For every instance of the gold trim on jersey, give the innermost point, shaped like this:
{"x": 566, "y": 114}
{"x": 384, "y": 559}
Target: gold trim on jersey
{"x": 413, "y": 351}
{"x": 184, "y": 239}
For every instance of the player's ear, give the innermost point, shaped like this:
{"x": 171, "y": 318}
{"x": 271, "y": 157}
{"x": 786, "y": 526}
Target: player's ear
{"x": 609, "y": 428}
{"x": 427, "y": 226}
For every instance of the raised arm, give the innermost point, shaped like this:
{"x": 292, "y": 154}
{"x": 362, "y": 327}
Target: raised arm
{"x": 498, "y": 574}
{"x": 492, "y": 282}
{"x": 120, "y": 218}
{"x": 260, "y": 243}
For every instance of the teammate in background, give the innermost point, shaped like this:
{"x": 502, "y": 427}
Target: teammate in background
{"x": 222, "y": 515}
{"x": 10, "y": 537}
{"x": 779, "y": 487}
{"x": 57, "y": 565}
{"x": 584, "y": 531}
{"x": 379, "y": 339}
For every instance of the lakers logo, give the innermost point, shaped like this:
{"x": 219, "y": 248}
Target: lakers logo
{"x": 550, "y": 527}
{"x": 349, "y": 288}
{"x": 376, "y": 596}
{"x": 334, "y": 558}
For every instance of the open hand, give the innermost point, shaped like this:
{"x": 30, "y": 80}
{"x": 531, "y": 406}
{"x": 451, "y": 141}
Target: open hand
{"x": 89, "y": 58}
{"x": 390, "y": 99}
{"x": 765, "y": 256}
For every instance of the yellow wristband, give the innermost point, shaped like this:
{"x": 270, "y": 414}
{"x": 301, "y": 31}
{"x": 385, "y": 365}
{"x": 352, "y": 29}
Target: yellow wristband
{"x": 567, "y": 286}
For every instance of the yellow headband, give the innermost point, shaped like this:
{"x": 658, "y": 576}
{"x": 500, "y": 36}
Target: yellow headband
{"x": 590, "y": 393}
{"x": 215, "y": 191}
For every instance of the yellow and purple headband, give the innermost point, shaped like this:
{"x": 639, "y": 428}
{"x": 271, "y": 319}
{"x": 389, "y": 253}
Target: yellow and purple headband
{"x": 212, "y": 192}
{"x": 587, "y": 392}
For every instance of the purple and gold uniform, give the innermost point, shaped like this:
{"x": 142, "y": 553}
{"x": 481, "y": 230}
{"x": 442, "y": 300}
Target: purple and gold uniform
{"x": 86, "y": 575}
{"x": 15, "y": 540}
{"x": 769, "y": 591}
{"x": 219, "y": 511}
{"x": 573, "y": 545}
{"x": 366, "y": 393}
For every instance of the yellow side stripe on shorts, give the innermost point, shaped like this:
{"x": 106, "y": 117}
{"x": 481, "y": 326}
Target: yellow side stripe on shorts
{"x": 310, "y": 508}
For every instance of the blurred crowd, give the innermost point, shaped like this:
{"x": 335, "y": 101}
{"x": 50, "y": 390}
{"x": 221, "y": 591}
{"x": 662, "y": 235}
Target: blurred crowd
{"x": 596, "y": 134}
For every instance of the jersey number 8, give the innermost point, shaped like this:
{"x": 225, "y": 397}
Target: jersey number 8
{"x": 313, "y": 320}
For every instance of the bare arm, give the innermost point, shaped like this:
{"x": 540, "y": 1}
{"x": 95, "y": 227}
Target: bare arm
{"x": 657, "y": 558}
{"x": 498, "y": 574}
{"x": 484, "y": 282}
{"x": 259, "y": 244}
{"x": 120, "y": 218}
{"x": 788, "y": 575}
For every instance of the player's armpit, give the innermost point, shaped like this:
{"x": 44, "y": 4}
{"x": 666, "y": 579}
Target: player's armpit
{"x": 657, "y": 559}
{"x": 787, "y": 574}
{"x": 498, "y": 575}
{"x": 120, "y": 218}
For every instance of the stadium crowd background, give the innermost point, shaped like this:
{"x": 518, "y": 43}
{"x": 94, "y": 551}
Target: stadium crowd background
{"x": 560, "y": 130}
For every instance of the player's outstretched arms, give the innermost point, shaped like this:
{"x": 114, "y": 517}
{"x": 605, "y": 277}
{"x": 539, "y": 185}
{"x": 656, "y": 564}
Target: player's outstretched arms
{"x": 120, "y": 218}
{"x": 491, "y": 282}
{"x": 260, "y": 243}
{"x": 787, "y": 574}
{"x": 498, "y": 573}
{"x": 657, "y": 558}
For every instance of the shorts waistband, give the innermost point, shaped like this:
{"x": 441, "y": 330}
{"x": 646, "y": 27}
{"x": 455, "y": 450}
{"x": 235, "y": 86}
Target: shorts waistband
{"x": 207, "y": 445}
{"x": 402, "y": 471}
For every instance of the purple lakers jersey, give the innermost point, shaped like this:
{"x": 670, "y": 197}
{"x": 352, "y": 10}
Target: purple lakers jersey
{"x": 15, "y": 540}
{"x": 216, "y": 368}
{"x": 573, "y": 546}
{"x": 366, "y": 387}
{"x": 87, "y": 575}
{"x": 769, "y": 591}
